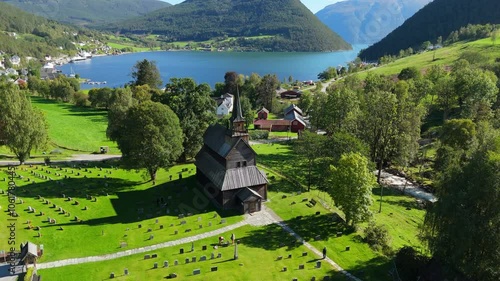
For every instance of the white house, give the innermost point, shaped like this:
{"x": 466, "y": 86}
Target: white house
{"x": 11, "y": 71}
{"x": 224, "y": 105}
{"x": 15, "y": 60}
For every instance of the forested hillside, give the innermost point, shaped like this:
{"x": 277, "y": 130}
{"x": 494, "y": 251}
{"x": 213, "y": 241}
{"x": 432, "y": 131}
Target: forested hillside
{"x": 285, "y": 25}
{"x": 24, "y": 34}
{"x": 88, "y": 12}
{"x": 438, "y": 18}
{"x": 368, "y": 21}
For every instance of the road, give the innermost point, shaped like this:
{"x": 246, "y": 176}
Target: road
{"x": 74, "y": 158}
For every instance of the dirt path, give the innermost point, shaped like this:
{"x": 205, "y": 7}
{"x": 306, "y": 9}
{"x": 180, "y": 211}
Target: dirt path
{"x": 74, "y": 158}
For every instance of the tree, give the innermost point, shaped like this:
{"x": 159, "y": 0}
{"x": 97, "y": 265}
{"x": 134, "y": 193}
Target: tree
{"x": 194, "y": 107}
{"x": 351, "y": 184}
{"x": 22, "y": 128}
{"x": 310, "y": 147}
{"x": 341, "y": 110}
{"x": 494, "y": 35}
{"x": 231, "y": 82}
{"x": 461, "y": 228}
{"x": 409, "y": 73}
{"x": 150, "y": 137}
{"x": 266, "y": 91}
{"x": 100, "y": 97}
{"x": 121, "y": 100}
{"x": 447, "y": 99}
{"x": 146, "y": 73}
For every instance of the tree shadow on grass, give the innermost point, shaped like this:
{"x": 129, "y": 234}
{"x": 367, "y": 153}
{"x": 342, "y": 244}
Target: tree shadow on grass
{"x": 378, "y": 268}
{"x": 314, "y": 227}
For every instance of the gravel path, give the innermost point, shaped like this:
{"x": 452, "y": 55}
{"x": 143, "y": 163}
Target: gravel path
{"x": 409, "y": 188}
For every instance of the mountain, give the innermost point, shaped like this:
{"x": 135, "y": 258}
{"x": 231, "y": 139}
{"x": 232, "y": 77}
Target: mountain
{"x": 88, "y": 12}
{"x": 368, "y": 21}
{"x": 284, "y": 25}
{"x": 25, "y": 34}
{"x": 438, "y": 18}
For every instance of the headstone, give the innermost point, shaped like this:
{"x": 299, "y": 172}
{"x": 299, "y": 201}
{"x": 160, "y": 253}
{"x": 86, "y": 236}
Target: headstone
{"x": 290, "y": 256}
{"x": 183, "y": 222}
{"x": 200, "y": 226}
{"x": 187, "y": 260}
{"x": 204, "y": 247}
{"x": 188, "y": 230}
{"x": 155, "y": 265}
{"x": 347, "y": 249}
{"x": 156, "y": 221}
{"x": 209, "y": 223}
{"x": 176, "y": 232}
{"x": 149, "y": 229}
{"x": 125, "y": 271}
{"x": 285, "y": 268}
{"x": 181, "y": 251}
{"x": 213, "y": 268}
{"x": 196, "y": 272}
{"x": 146, "y": 257}
{"x": 203, "y": 258}
{"x": 193, "y": 259}
{"x": 223, "y": 221}
{"x": 212, "y": 256}
{"x": 313, "y": 278}
{"x": 165, "y": 264}
{"x": 295, "y": 279}
{"x": 280, "y": 258}
{"x": 304, "y": 254}
{"x": 219, "y": 255}
{"x": 318, "y": 213}
{"x": 301, "y": 266}
{"x": 176, "y": 262}
{"x": 161, "y": 226}
{"x": 318, "y": 264}
{"x": 154, "y": 256}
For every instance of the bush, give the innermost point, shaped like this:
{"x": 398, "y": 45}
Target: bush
{"x": 259, "y": 135}
{"x": 378, "y": 238}
{"x": 81, "y": 99}
{"x": 410, "y": 263}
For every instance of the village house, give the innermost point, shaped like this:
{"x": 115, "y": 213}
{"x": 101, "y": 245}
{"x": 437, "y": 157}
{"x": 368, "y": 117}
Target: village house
{"x": 226, "y": 166}
{"x": 15, "y": 60}
{"x": 292, "y": 122}
{"x": 291, "y": 94}
{"x": 263, "y": 114}
{"x": 29, "y": 253}
{"x": 224, "y": 105}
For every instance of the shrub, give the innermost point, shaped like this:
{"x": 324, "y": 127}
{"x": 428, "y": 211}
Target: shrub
{"x": 259, "y": 135}
{"x": 80, "y": 99}
{"x": 378, "y": 237}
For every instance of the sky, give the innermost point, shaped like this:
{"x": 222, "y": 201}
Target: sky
{"x": 313, "y": 5}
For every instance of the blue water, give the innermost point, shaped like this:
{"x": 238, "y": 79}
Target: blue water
{"x": 210, "y": 67}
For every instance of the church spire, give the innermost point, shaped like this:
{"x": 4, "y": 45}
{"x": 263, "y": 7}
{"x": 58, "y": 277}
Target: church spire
{"x": 237, "y": 120}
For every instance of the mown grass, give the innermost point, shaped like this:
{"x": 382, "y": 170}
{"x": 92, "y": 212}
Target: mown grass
{"x": 257, "y": 260}
{"x": 400, "y": 215}
{"x": 123, "y": 45}
{"x": 75, "y": 128}
{"x": 124, "y": 200}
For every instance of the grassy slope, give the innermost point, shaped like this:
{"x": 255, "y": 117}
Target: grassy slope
{"x": 443, "y": 56}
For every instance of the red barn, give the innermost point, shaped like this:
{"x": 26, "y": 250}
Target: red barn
{"x": 272, "y": 125}
{"x": 263, "y": 114}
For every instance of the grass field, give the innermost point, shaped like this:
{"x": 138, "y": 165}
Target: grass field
{"x": 443, "y": 56}
{"x": 257, "y": 260}
{"x": 75, "y": 128}
{"x": 123, "y": 201}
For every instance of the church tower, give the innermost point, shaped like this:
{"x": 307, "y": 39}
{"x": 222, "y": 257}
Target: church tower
{"x": 237, "y": 121}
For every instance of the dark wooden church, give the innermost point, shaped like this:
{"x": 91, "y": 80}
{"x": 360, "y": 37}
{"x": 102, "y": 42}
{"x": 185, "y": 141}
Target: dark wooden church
{"x": 226, "y": 166}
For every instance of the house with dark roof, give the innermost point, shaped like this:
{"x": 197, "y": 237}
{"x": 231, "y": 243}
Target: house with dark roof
{"x": 29, "y": 253}
{"x": 291, "y": 94}
{"x": 224, "y": 105}
{"x": 226, "y": 166}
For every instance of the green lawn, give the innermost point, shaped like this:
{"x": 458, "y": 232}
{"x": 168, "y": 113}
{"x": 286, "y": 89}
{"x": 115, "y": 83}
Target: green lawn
{"x": 257, "y": 260}
{"x": 120, "y": 46}
{"x": 75, "y": 128}
{"x": 400, "y": 214}
{"x": 124, "y": 201}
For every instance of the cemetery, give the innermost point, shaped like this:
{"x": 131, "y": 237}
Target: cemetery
{"x": 79, "y": 210}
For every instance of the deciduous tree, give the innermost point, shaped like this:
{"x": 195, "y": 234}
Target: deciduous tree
{"x": 146, "y": 72}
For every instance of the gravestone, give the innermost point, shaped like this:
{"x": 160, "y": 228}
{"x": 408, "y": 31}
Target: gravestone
{"x": 112, "y": 275}
{"x": 196, "y": 272}
{"x": 188, "y": 230}
{"x": 209, "y": 223}
{"x": 176, "y": 232}
{"x": 289, "y": 256}
{"x": 154, "y": 256}
{"x": 181, "y": 251}
{"x": 183, "y": 222}
{"x": 203, "y": 258}
{"x": 219, "y": 255}
{"x": 193, "y": 259}
{"x": 204, "y": 247}
{"x": 151, "y": 237}
{"x": 318, "y": 264}
{"x": 156, "y": 221}
{"x": 301, "y": 266}
{"x": 313, "y": 278}
{"x": 125, "y": 271}
{"x": 176, "y": 262}
{"x": 200, "y": 226}
{"x": 155, "y": 265}
{"x": 285, "y": 268}
{"x": 146, "y": 257}
{"x": 223, "y": 221}
{"x": 347, "y": 249}
{"x": 213, "y": 268}
{"x": 187, "y": 260}
{"x": 212, "y": 256}
{"x": 280, "y": 258}
{"x": 304, "y": 254}
{"x": 318, "y": 213}
{"x": 317, "y": 237}
{"x": 295, "y": 279}
{"x": 165, "y": 264}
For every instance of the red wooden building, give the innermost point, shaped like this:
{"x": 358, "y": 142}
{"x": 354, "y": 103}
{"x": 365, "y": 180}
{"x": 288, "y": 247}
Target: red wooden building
{"x": 263, "y": 114}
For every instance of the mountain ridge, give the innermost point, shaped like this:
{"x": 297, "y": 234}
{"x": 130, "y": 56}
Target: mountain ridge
{"x": 287, "y": 24}
{"x": 88, "y": 12}
{"x": 438, "y": 18}
{"x": 368, "y": 21}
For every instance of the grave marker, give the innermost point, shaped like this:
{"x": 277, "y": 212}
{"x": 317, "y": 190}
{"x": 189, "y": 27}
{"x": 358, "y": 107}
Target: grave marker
{"x": 304, "y": 254}
{"x": 213, "y": 268}
{"x": 181, "y": 251}
{"x": 125, "y": 271}
{"x": 155, "y": 265}
{"x": 154, "y": 256}
{"x": 112, "y": 275}
{"x": 301, "y": 266}
{"x": 196, "y": 272}
{"x": 318, "y": 264}
{"x": 193, "y": 259}
{"x": 165, "y": 264}
{"x": 204, "y": 247}
{"x": 187, "y": 260}
{"x": 147, "y": 257}
{"x": 219, "y": 255}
